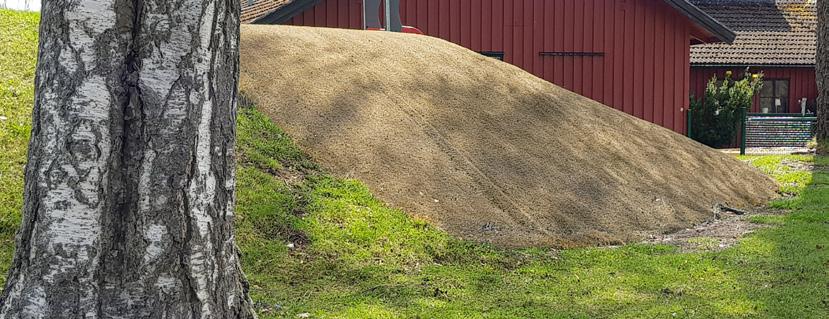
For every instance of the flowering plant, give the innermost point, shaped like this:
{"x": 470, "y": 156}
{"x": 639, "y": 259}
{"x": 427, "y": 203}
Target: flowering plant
{"x": 716, "y": 116}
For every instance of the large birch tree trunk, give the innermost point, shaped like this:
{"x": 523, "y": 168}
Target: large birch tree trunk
{"x": 822, "y": 72}
{"x": 130, "y": 181}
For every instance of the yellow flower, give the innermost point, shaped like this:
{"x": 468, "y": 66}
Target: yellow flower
{"x": 727, "y": 73}
{"x": 755, "y": 76}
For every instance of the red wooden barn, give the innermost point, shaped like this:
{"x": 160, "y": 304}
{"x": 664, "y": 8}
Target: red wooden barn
{"x": 777, "y": 38}
{"x": 632, "y": 55}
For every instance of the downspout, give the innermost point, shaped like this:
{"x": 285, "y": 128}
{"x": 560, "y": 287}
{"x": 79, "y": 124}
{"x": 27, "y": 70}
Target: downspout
{"x": 387, "y": 7}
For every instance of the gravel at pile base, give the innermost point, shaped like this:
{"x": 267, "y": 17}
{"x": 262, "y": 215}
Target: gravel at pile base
{"x": 479, "y": 147}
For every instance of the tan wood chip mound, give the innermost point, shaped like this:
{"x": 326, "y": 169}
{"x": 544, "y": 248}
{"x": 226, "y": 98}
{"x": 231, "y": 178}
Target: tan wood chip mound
{"x": 481, "y": 148}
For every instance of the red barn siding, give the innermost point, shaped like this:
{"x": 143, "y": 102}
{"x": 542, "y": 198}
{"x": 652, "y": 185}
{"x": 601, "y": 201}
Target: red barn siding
{"x": 644, "y": 70}
{"x": 802, "y": 82}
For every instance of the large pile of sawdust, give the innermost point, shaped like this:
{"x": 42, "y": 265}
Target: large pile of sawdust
{"x": 480, "y": 148}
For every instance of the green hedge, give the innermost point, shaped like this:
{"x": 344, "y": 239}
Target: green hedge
{"x": 715, "y": 118}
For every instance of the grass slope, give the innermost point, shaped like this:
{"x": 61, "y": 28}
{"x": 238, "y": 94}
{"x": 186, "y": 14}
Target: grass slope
{"x": 18, "y": 53}
{"x": 354, "y": 257}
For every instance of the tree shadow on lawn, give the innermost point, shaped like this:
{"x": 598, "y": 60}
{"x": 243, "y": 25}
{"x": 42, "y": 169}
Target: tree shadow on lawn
{"x": 404, "y": 268}
{"x": 775, "y": 272}
{"x": 373, "y": 268}
{"x": 787, "y": 267}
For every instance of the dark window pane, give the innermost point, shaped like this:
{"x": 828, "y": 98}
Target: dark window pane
{"x": 768, "y": 89}
{"x": 781, "y": 89}
{"x": 766, "y": 102}
{"x": 783, "y": 107}
{"x": 494, "y": 54}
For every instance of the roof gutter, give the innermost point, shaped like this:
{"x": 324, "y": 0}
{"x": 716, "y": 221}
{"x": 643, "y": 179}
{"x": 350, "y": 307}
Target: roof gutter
{"x": 703, "y": 20}
{"x": 285, "y": 13}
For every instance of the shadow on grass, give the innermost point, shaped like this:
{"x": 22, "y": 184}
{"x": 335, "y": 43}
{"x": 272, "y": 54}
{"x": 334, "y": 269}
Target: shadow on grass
{"x": 790, "y": 262}
{"x": 366, "y": 260}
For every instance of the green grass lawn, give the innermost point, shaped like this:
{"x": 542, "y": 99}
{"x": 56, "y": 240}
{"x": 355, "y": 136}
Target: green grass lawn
{"x": 353, "y": 257}
{"x": 18, "y": 52}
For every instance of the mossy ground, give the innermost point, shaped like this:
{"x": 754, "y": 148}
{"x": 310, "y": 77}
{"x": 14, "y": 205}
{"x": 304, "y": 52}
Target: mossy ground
{"x": 354, "y": 257}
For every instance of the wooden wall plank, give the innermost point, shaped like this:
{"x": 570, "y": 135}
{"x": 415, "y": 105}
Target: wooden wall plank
{"x": 644, "y": 45}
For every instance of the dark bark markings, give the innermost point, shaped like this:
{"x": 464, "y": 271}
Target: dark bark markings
{"x": 65, "y": 174}
{"x": 144, "y": 186}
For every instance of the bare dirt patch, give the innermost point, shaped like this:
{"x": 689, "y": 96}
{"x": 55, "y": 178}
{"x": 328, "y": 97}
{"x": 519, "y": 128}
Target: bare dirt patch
{"x": 723, "y": 230}
{"x": 481, "y": 148}
{"x": 805, "y": 166}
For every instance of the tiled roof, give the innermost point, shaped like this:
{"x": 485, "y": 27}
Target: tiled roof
{"x": 769, "y": 32}
{"x": 259, "y": 8}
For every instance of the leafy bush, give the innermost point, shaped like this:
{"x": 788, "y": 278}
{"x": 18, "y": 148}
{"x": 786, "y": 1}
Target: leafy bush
{"x": 715, "y": 118}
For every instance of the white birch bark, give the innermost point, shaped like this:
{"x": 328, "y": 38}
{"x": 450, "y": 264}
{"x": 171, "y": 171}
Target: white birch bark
{"x": 130, "y": 180}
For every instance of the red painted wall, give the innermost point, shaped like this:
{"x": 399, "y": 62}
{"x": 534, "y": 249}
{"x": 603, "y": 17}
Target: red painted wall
{"x": 644, "y": 70}
{"x": 802, "y": 82}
